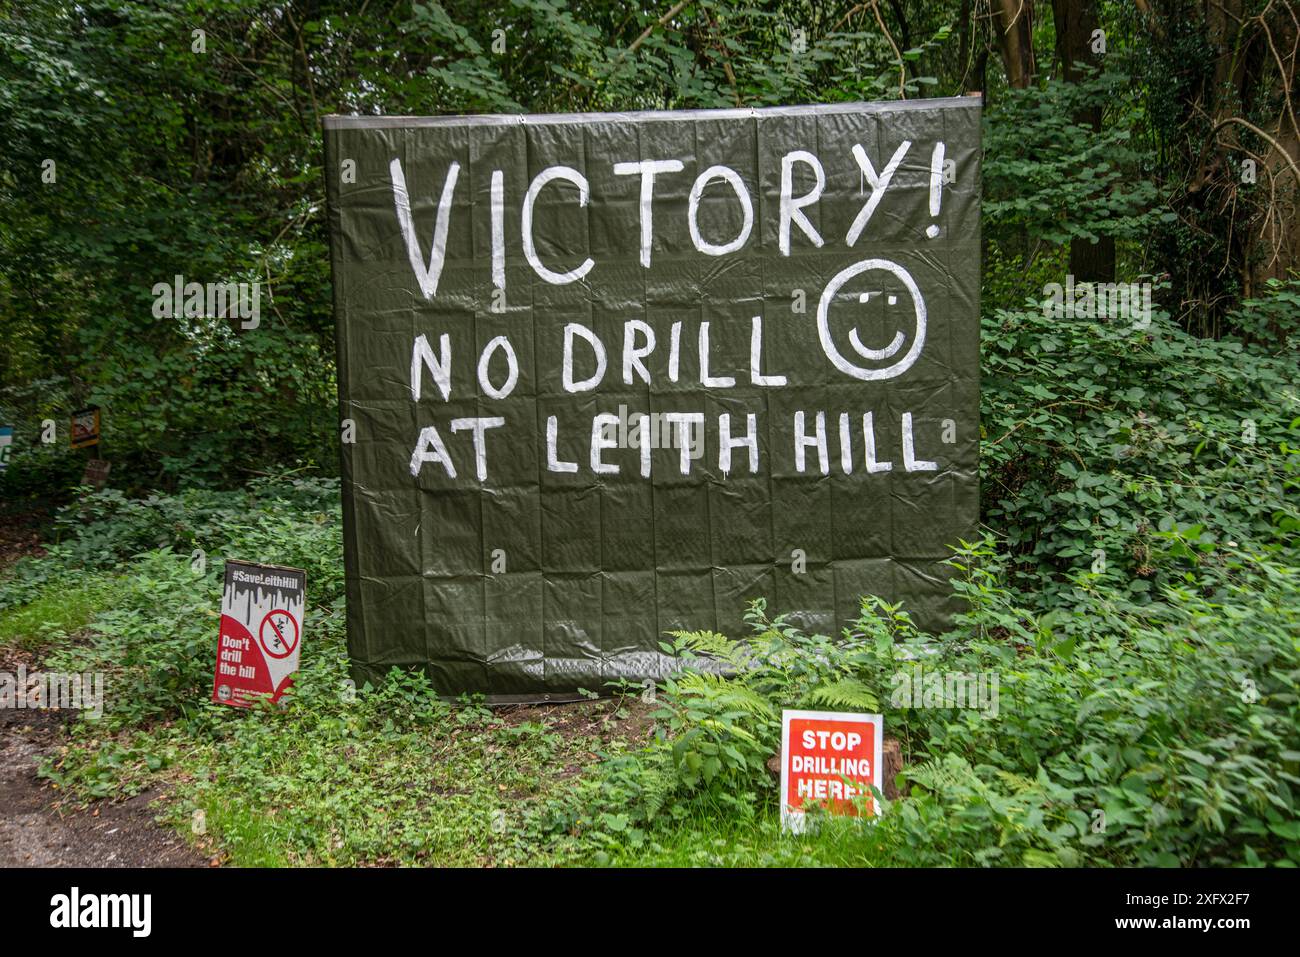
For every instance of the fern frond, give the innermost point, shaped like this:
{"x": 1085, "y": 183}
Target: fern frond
{"x": 712, "y": 644}
{"x": 847, "y": 693}
{"x": 1018, "y": 782}
{"x": 725, "y": 693}
{"x": 945, "y": 774}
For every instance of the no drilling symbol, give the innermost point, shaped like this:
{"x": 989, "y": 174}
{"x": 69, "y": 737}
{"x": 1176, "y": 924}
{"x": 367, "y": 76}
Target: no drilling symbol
{"x": 278, "y": 633}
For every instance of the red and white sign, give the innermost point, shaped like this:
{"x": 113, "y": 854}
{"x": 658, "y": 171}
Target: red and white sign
{"x": 262, "y": 610}
{"x": 831, "y": 759}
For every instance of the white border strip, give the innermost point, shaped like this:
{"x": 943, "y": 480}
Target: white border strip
{"x": 337, "y": 122}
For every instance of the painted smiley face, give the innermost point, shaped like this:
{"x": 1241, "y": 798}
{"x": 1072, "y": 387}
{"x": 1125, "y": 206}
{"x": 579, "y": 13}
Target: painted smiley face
{"x": 895, "y": 304}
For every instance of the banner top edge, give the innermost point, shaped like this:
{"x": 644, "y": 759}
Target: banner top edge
{"x": 337, "y": 122}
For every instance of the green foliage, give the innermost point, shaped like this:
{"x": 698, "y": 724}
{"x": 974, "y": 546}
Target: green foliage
{"x": 1101, "y": 437}
{"x": 1274, "y": 317}
{"x": 389, "y": 775}
{"x": 1157, "y": 734}
{"x": 166, "y": 161}
{"x": 1049, "y": 177}
{"x": 1173, "y": 718}
{"x": 154, "y": 630}
{"x": 1222, "y": 243}
{"x": 36, "y": 467}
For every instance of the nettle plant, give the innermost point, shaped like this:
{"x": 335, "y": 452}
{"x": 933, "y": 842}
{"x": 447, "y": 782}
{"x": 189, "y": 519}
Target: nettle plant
{"x": 1100, "y": 437}
{"x": 1156, "y": 733}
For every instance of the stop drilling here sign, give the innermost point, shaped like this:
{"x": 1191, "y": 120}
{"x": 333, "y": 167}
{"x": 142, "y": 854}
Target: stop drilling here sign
{"x": 831, "y": 759}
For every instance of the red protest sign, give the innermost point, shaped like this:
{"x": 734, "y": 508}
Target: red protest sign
{"x": 829, "y": 758}
{"x": 262, "y": 609}
{"x": 85, "y": 428}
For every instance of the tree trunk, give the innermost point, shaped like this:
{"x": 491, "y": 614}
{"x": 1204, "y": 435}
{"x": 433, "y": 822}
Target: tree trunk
{"x": 1076, "y": 20}
{"x": 1280, "y": 235}
{"x": 1013, "y": 22}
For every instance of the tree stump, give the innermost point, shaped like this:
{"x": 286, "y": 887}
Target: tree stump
{"x": 891, "y": 765}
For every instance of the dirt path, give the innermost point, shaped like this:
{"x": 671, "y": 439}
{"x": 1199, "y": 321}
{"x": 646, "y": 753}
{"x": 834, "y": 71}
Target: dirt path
{"x": 108, "y": 834}
{"x": 32, "y": 832}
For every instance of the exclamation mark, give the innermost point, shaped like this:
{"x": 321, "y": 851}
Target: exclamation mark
{"x": 936, "y": 187}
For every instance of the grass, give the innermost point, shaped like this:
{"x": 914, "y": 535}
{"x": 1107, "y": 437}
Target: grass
{"x": 59, "y": 610}
{"x": 335, "y": 778}
{"x": 716, "y": 837}
{"x": 317, "y": 791}
{"x": 245, "y": 834}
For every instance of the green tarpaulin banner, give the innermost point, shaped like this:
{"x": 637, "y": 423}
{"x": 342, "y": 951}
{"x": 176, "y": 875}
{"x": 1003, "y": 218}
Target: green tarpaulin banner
{"x": 605, "y": 376}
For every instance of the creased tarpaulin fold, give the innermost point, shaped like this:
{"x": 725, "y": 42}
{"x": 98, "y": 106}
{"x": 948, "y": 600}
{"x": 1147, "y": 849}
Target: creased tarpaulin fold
{"x": 589, "y": 337}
